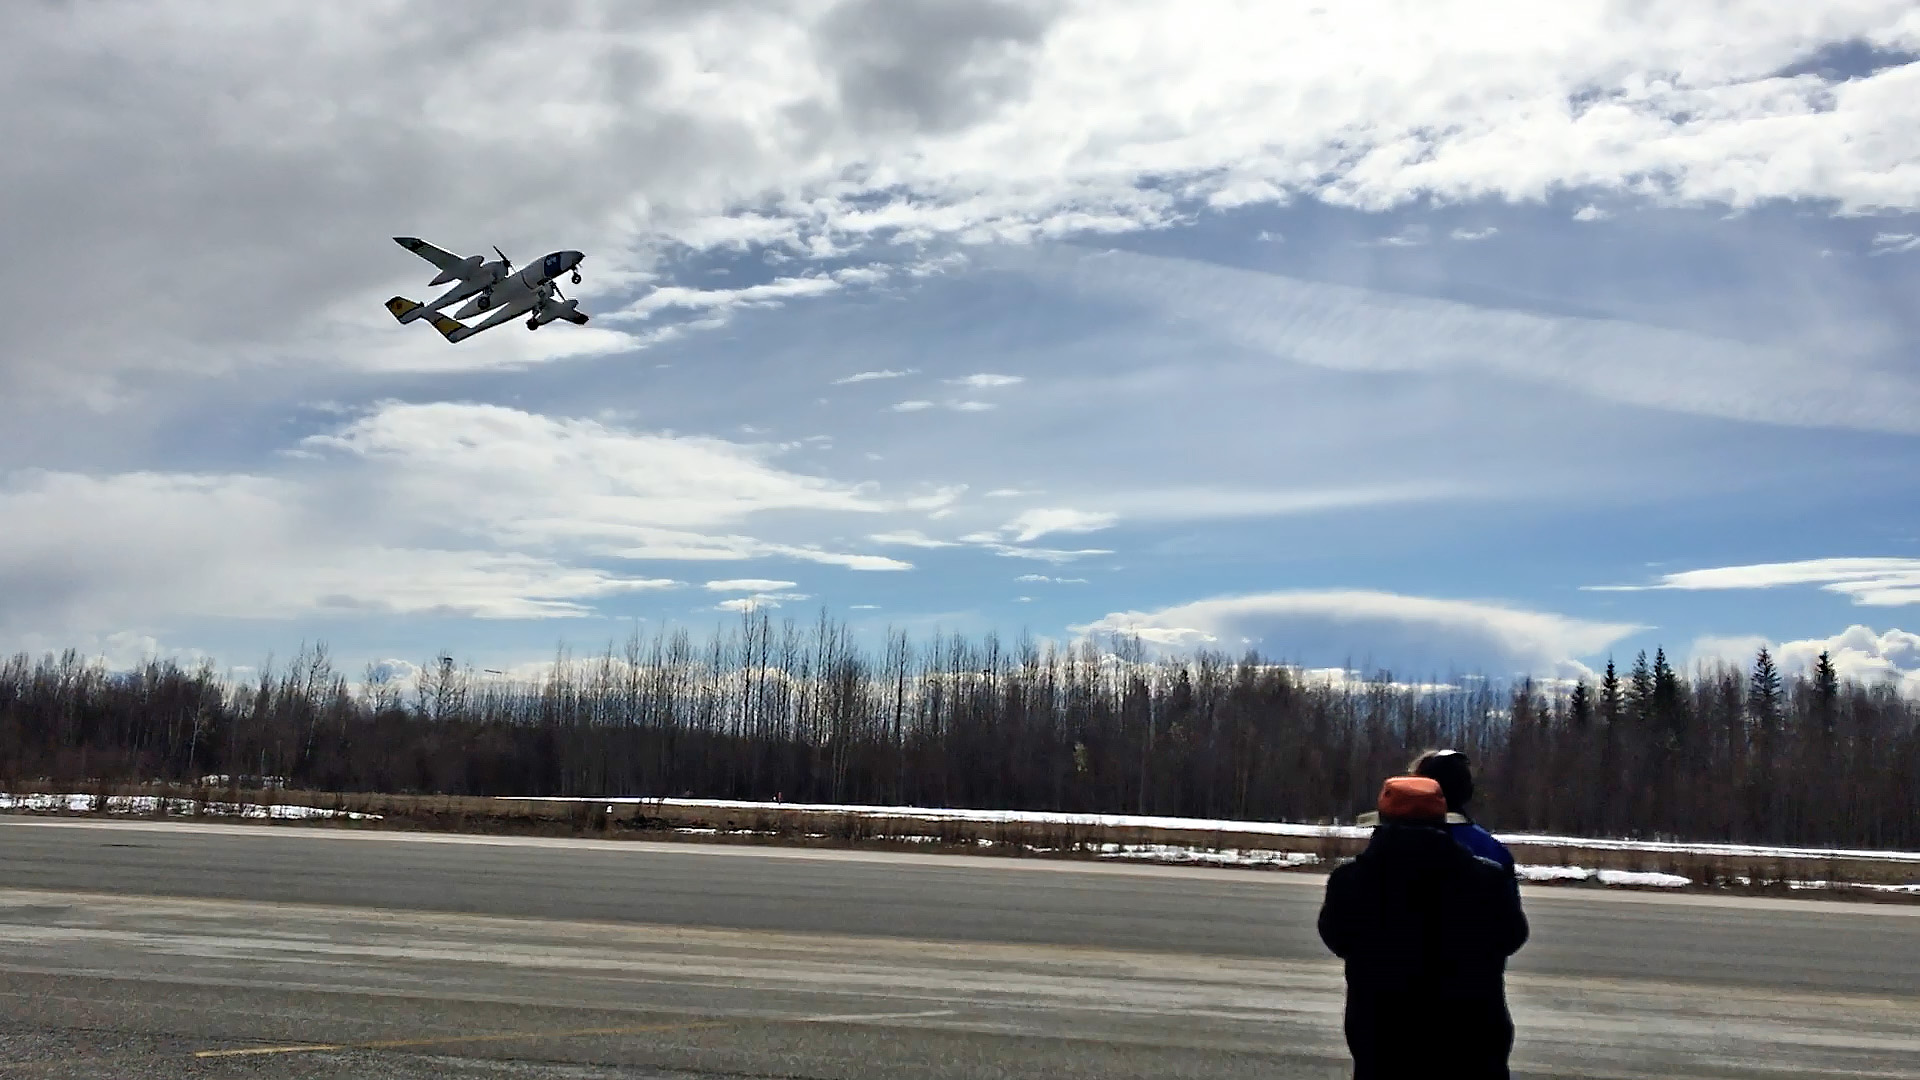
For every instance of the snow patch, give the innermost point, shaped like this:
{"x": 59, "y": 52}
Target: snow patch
{"x": 999, "y": 817}
{"x": 150, "y": 804}
{"x": 1639, "y": 878}
{"x": 1170, "y": 853}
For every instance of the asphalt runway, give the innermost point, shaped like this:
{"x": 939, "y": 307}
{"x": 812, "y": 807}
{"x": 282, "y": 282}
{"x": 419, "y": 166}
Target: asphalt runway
{"x": 138, "y": 950}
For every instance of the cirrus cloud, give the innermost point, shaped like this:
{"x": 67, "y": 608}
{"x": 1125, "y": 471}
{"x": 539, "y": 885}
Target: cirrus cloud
{"x": 1873, "y": 582}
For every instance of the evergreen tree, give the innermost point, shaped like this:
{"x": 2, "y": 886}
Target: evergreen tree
{"x": 1763, "y": 691}
{"x": 1610, "y": 695}
{"x": 1640, "y": 688}
{"x": 1580, "y": 706}
{"x": 1669, "y": 710}
{"x": 1826, "y": 690}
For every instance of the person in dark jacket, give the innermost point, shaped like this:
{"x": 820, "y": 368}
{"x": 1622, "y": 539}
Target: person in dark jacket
{"x": 1451, "y": 770}
{"x": 1425, "y": 927}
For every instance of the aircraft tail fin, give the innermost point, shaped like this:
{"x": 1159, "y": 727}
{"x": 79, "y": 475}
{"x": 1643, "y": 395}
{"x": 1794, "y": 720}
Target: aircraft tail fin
{"x": 450, "y": 328}
{"x": 404, "y": 309}
{"x": 578, "y": 318}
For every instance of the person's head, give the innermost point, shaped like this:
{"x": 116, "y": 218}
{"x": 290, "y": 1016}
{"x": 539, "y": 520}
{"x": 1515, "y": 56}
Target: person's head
{"x": 1412, "y": 800}
{"x": 1452, "y": 771}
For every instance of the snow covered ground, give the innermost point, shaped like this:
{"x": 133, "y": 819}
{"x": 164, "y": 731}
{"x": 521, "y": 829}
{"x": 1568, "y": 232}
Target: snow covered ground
{"x": 1249, "y": 828}
{"x": 1256, "y": 856}
{"x": 1224, "y": 853}
{"x": 1022, "y": 817}
{"x": 148, "y": 804}
{"x": 1643, "y": 879}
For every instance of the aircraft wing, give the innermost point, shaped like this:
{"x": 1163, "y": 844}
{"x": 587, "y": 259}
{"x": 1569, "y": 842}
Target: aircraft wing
{"x": 439, "y": 257}
{"x": 455, "y": 330}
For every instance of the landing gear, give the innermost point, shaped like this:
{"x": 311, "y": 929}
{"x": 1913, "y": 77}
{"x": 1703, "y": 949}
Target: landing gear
{"x": 533, "y": 324}
{"x": 576, "y": 277}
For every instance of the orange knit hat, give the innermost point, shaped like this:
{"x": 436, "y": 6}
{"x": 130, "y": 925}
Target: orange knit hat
{"x": 1412, "y": 798}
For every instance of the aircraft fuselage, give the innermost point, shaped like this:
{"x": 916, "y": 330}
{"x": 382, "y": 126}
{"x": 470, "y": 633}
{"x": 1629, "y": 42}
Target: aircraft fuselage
{"x": 523, "y": 286}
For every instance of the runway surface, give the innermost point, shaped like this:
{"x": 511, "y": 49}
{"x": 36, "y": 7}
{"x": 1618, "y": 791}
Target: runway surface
{"x": 156, "y": 949}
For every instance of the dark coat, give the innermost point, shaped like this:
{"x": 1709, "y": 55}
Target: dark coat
{"x": 1426, "y": 928}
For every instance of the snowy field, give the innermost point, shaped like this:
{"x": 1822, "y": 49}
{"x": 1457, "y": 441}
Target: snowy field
{"x": 1231, "y": 843}
{"x": 1253, "y": 856}
{"x": 1242, "y": 828}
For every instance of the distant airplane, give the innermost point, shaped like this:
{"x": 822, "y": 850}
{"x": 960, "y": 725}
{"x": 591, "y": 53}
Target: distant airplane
{"x": 491, "y": 286}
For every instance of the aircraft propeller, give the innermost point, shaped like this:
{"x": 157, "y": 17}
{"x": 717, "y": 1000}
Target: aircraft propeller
{"x": 504, "y": 261}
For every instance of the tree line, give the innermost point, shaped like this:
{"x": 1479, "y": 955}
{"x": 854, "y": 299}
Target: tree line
{"x": 767, "y": 710}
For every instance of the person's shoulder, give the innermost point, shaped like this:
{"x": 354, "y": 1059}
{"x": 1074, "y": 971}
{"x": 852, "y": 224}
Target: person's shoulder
{"x": 1481, "y": 842}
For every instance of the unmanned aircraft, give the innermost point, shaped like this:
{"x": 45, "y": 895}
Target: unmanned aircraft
{"x": 492, "y": 287}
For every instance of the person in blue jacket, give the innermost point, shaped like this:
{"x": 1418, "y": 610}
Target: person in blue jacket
{"x": 1451, "y": 770}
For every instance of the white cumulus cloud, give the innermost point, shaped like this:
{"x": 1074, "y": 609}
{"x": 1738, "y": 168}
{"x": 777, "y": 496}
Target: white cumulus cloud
{"x": 1860, "y": 653}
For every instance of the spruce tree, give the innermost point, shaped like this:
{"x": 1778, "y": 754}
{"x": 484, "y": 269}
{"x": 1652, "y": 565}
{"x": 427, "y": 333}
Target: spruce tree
{"x": 1640, "y": 689}
{"x": 1580, "y": 707}
{"x": 1826, "y": 690}
{"x": 1669, "y": 705}
{"x": 1763, "y": 690}
{"x": 1610, "y": 695}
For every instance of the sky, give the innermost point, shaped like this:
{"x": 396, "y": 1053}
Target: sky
{"x": 1433, "y": 338}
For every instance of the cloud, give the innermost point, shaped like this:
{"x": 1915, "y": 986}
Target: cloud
{"x": 823, "y": 128}
{"x": 1873, "y": 582}
{"x": 1859, "y": 653}
{"x": 1031, "y": 525}
{"x": 404, "y": 510}
{"x": 1411, "y": 236}
{"x": 1346, "y": 328}
{"x": 1590, "y": 212}
{"x": 553, "y": 477}
{"x": 1048, "y": 555}
{"x": 909, "y": 406}
{"x": 83, "y": 552}
{"x": 988, "y": 381}
{"x": 721, "y": 301}
{"x": 869, "y": 376}
{"x": 1407, "y": 634}
{"x": 757, "y": 585}
{"x": 1474, "y": 234}
{"x": 1042, "y": 578}
{"x": 1894, "y": 243}
{"x": 758, "y": 601}
{"x": 971, "y": 406}
{"x": 911, "y": 538}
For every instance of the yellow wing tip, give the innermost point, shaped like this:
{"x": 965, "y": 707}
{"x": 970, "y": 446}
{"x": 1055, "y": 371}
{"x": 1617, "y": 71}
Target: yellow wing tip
{"x": 400, "y": 306}
{"x": 447, "y": 326}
